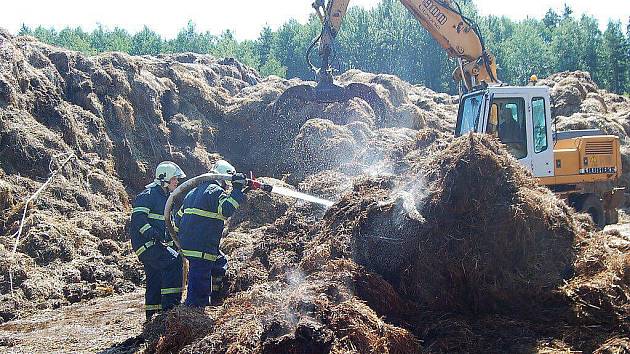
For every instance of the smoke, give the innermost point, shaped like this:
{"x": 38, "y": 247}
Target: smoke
{"x": 294, "y": 291}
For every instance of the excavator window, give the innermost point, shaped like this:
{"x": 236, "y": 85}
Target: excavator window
{"x": 540, "y": 124}
{"x": 469, "y": 112}
{"x": 512, "y": 125}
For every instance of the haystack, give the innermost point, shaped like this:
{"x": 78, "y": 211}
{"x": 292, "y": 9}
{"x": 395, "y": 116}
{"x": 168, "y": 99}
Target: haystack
{"x": 494, "y": 240}
{"x": 474, "y": 233}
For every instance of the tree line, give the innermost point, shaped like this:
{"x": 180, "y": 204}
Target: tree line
{"x": 387, "y": 39}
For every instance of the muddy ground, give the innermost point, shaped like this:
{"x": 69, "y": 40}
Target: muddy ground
{"x": 411, "y": 258}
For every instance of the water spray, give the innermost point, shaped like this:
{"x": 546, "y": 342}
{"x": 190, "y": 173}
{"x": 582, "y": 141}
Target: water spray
{"x": 299, "y": 195}
{"x": 253, "y": 183}
{"x": 178, "y": 194}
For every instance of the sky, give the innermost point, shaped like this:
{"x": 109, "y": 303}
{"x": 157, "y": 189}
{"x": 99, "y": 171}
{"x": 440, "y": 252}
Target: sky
{"x": 245, "y": 17}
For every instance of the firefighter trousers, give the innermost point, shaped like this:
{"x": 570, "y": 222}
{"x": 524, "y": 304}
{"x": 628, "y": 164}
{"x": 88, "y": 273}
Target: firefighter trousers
{"x": 163, "y": 279}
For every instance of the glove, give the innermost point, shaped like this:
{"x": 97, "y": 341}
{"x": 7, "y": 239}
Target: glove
{"x": 239, "y": 181}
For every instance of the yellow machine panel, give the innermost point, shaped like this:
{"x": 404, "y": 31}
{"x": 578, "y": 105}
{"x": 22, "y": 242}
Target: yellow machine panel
{"x": 585, "y": 159}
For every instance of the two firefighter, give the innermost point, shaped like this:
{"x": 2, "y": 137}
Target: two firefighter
{"x": 199, "y": 223}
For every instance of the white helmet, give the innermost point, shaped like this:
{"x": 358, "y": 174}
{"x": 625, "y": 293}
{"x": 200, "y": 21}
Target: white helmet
{"x": 167, "y": 170}
{"x": 223, "y": 167}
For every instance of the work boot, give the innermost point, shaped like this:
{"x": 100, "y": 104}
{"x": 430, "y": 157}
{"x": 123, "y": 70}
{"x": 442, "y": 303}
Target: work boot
{"x": 216, "y": 300}
{"x": 218, "y": 294}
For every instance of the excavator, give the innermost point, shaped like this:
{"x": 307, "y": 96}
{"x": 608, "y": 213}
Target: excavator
{"x": 581, "y": 166}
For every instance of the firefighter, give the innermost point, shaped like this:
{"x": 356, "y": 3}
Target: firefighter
{"x": 200, "y": 223}
{"x": 162, "y": 264}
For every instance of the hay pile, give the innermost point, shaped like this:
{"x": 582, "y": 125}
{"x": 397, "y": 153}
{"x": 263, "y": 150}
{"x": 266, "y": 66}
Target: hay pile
{"x": 474, "y": 234}
{"x": 412, "y": 261}
{"x": 121, "y": 115}
{"x": 433, "y": 242}
{"x": 494, "y": 240}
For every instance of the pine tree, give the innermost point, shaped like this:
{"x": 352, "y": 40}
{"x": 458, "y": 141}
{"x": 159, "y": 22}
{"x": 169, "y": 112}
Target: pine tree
{"x": 567, "y": 11}
{"x": 264, "y": 44}
{"x": 74, "y": 39}
{"x": 146, "y": 42}
{"x": 25, "y": 31}
{"x": 119, "y": 40}
{"x": 565, "y": 45}
{"x": 551, "y": 19}
{"x": 591, "y": 46}
{"x": 526, "y": 54}
{"x": 615, "y": 58}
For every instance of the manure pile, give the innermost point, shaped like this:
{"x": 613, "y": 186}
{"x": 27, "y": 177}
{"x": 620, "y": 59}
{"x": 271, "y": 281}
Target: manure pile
{"x": 434, "y": 244}
{"x": 476, "y": 258}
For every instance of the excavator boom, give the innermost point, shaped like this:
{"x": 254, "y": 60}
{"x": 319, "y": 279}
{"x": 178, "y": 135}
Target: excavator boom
{"x": 458, "y": 35}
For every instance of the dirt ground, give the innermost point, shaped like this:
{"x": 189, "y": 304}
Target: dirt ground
{"x": 103, "y": 325}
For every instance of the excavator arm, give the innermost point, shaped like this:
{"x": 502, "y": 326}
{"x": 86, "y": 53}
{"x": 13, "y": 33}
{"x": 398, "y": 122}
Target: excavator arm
{"x": 458, "y": 35}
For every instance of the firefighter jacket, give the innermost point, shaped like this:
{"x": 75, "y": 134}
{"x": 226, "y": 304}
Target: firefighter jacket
{"x": 147, "y": 220}
{"x": 200, "y": 220}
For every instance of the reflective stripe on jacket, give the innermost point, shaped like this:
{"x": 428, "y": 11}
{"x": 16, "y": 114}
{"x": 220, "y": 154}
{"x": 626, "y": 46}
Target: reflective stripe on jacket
{"x": 201, "y": 217}
{"x": 147, "y": 219}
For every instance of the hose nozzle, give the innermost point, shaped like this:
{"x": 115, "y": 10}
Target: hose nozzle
{"x": 256, "y": 184}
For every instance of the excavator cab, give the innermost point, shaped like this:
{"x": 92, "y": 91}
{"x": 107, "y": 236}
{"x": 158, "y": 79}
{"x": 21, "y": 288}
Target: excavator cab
{"x": 331, "y": 14}
{"x": 519, "y": 116}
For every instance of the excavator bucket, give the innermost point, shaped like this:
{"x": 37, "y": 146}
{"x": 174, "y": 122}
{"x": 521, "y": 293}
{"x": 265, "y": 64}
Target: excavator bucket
{"x": 329, "y": 93}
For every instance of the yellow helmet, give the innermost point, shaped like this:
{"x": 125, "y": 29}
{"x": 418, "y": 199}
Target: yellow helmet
{"x": 533, "y": 78}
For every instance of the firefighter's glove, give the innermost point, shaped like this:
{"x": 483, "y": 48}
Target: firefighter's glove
{"x": 239, "y": 181}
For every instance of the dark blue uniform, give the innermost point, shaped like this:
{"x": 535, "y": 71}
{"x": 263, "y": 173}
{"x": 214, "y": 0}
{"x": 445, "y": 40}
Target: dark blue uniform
{"x": 219, "y": 267}
{"x": 149, "y": 240}
{"x": 200, "y": 227}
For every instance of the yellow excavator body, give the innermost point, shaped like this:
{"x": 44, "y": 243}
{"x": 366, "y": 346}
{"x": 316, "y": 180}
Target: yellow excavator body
{"x": 585, "y": 159}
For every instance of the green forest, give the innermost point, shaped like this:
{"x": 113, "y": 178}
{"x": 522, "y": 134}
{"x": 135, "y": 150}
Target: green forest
{"x": 387, "y": 39}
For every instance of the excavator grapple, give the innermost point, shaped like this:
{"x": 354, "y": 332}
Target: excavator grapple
{"x": 326, "y": 90}
{"x": 330, "y": 93}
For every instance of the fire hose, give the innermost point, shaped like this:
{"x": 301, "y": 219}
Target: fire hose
{"x": 177, "y": 196}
